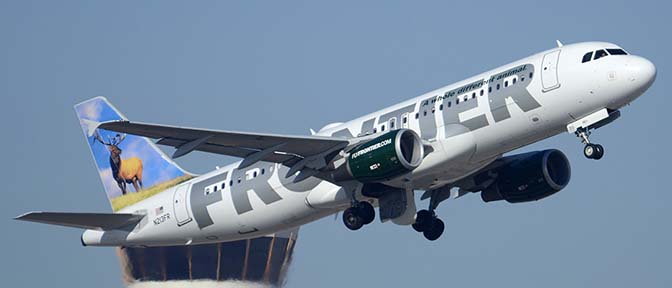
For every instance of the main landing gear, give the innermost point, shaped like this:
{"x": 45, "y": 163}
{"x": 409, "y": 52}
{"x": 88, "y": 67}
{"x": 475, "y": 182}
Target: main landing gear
{"x": 428, "y": 224}
{"x": 591, "y": 151}
{"x": 426, "y": 221}
{"x": 360, "y": 214}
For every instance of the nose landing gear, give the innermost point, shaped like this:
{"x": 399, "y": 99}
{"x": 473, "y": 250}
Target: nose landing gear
{"x": 591, "y": 151}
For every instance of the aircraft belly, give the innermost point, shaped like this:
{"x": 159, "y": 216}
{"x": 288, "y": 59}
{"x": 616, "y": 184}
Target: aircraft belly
{"x": 449, "y": 159}
{"x": 289, "y": 212}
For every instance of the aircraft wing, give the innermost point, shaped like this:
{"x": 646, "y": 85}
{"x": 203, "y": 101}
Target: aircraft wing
{"x": 252, "y": 147}
{"x": 102, "y": 221}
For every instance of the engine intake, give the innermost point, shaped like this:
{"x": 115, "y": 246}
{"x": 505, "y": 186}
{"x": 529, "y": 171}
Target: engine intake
{"x": 385, "y": 157}
{"x": 529, "y": 177}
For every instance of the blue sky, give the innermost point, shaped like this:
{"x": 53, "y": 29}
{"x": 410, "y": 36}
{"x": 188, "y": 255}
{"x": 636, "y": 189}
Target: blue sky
{"x": 288, "y": 66}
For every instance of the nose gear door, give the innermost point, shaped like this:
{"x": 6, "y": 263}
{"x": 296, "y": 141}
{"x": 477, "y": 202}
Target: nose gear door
{"x": 549, "y": 71}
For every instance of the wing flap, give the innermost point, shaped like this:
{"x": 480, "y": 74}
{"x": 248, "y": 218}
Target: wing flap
{"x": 102, "y": 221}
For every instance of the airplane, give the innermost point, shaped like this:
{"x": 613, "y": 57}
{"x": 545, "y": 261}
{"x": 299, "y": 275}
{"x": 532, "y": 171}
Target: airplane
{"x": 447, "y": 143}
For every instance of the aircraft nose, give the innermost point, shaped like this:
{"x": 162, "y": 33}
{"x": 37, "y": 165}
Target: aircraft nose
{"x": 642, "y": 72}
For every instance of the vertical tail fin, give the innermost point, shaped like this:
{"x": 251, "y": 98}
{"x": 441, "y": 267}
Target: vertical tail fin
{"x": 131, "y": 168}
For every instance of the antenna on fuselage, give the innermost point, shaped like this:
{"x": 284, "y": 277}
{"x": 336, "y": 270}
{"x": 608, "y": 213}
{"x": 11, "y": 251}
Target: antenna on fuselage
{"x": 559, "y": 43}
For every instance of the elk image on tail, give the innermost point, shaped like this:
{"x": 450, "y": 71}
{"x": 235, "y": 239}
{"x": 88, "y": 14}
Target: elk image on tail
{"x": 125, "y": 159}
{"x": 124, "y": 171}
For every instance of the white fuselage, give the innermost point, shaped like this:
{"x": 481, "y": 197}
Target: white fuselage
{"x": 538, "y": 96}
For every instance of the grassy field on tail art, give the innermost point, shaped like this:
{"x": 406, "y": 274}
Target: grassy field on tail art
{"x": 131, "y": 198}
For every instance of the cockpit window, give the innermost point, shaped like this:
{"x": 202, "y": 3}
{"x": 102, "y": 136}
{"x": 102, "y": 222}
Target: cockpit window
{"x": 617, "y": 52}
{"x": 587, "y": 57}
{"x": 599, "y": 54}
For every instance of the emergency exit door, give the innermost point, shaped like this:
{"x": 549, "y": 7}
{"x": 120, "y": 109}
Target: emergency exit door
{"x": 549, "y": 71}
{"x": 180, "y": 205}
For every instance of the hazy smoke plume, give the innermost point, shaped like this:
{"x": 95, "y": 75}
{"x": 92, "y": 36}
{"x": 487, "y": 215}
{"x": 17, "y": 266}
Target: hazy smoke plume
{"x": 197, "y": 284}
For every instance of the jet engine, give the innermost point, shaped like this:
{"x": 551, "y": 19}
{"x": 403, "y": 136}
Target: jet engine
{"x": 385, "y": 157}
{"x": 528, "y": 177}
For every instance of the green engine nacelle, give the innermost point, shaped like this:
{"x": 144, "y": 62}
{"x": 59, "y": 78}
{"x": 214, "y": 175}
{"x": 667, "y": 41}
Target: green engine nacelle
{"x": 385, "y": 157}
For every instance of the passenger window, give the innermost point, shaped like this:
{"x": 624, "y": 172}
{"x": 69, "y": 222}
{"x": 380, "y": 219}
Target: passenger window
{"x": 599, "y": 54}
{"x": 417, "y": 115}
{"x": 404, "y": 120}
{"x": 449, "y": 104}
{"x": 490, "y": 89}
{"x": 231, "y": 183}
{"x": 223, "y": 185}
{"x": 530, "y": 75}
{"x": 375, "y": 130}
{"x": 262, "y": 171}
{"x": 497, "y": 86}
{"x": 522, "y": 79}
{"x": 424, "y": 113}
{"x": 215, "y": 188}
{"x": 254, "y": 175}
{"x": 506, "y": 84}
{"x": 457, "y": 101}
{"x": 514, "y": 81}
{"x": 433, "y": 109}
{"x": 382, "y": 128}
{"x": 441, "y": 107}
{"x": 587, "y": 57}
{"x": 473, "y": 95}
{"x": 617, "y": 52}
{"x": 481, "y": 92}
{"x": 238, "y": 179}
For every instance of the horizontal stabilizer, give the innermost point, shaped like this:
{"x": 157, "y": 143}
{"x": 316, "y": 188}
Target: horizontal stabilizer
{"x": 102, "y": 221}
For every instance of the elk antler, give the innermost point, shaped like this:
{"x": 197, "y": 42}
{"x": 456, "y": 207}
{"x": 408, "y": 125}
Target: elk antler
{"x": 119, "y": 138}
{"x": 97, "y": 136}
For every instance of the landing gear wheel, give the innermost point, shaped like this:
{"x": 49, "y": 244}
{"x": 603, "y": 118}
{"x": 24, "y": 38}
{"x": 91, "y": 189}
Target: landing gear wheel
{"x": 593, "y": 151}
{"x": 366, "y": 212}
{"x": 435, "y": 230}
{"x": 423, "y": 221}
{"x": 600, "y": 152}
{"x": 352, "y": 220}
{"x": 589, "y": 151}
{"x": 416, "y": 227}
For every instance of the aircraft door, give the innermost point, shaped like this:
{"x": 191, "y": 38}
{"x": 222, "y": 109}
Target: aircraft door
{"x": 180, "y": 205}
{"x": 549, "y": 71}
